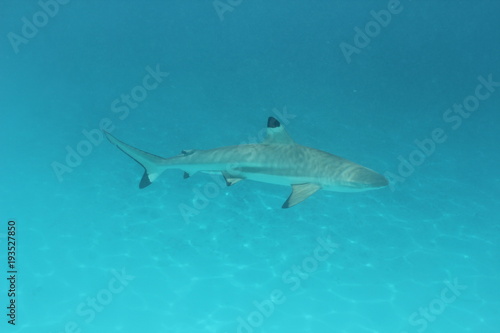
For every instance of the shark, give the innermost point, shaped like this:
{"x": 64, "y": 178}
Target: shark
{"x": 278, "y": 159}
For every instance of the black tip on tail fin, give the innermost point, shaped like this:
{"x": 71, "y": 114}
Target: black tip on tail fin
{"x": 152, "y": 164}
{"x": 145, "y": 180}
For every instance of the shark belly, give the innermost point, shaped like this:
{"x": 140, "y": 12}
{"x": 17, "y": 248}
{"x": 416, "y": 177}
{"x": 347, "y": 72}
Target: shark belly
{"x": 276, "y": 179}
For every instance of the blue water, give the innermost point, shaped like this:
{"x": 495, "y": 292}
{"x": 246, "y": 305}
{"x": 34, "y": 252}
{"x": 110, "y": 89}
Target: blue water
{"x": 96, "y": 254}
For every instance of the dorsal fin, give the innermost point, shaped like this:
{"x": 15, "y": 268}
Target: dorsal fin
{"x": 276, "y": 133}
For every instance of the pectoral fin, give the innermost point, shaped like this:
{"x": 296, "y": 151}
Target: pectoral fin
{"x": 300, "y": 192}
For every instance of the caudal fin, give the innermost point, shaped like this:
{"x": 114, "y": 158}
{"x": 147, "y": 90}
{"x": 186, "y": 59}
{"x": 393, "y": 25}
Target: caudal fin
{"x": 152, "y": 164}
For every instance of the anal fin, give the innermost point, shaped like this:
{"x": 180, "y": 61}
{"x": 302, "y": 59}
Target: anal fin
{"x": 300, "y": 192}
{"x": 187, "y": 152}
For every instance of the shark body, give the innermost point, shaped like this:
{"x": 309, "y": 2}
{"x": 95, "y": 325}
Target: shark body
{"x": 277, "y": 160}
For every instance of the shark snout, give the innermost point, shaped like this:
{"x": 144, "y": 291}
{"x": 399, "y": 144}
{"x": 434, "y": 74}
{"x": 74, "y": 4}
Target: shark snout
{"x": 380, "y": 181}
{"x": 366, "y": 178}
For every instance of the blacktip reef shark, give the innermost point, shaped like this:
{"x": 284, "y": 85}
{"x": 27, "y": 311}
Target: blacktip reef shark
{"x": 276, "y": 160}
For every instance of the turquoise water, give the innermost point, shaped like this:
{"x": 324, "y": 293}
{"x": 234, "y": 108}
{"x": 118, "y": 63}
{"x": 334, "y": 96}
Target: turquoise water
{"x": 96, "y": 254}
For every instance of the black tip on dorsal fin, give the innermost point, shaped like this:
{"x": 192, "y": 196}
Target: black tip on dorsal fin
{"x": 273, "y": 122}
